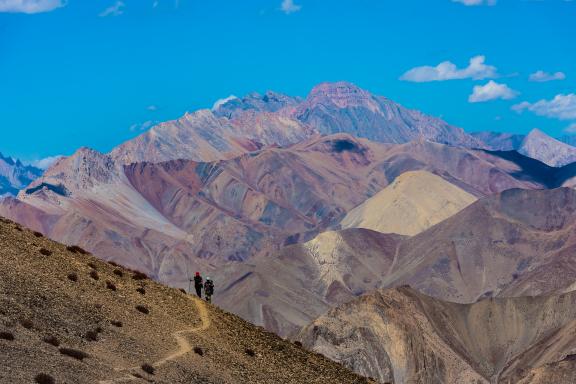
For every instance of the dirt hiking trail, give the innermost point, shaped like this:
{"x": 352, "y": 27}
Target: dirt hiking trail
{"x": 184, "y": 345}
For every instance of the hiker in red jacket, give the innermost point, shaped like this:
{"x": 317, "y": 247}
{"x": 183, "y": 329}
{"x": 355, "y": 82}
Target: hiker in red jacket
{"x": 198, "y": 284}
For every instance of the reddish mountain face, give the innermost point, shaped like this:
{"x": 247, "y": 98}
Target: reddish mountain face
{"x": 168, "y": 219}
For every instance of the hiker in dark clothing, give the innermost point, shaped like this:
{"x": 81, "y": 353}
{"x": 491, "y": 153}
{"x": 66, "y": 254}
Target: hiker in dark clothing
{"x": 208, "y": 289}
{"x": 198, "y": 284}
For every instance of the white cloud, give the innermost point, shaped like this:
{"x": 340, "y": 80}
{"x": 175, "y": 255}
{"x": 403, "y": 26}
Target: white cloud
{"x": 46, "y": 162}
{"x": 541, "y": 76}
{"x": 152, "y": 108}
{"x": 491, "y": 91}
{"x": 289, "y": 7}
{"x": 477, "y": 70}
{"x": 561, "y": 107}
{"x": 143, "y": 126}
{"x": 30, "y": 6}
{"x": 571, "y": 128}
{"x": 475, "y": 2}
{"x": 114, "y": 10}
{"x": 221, "y": 102}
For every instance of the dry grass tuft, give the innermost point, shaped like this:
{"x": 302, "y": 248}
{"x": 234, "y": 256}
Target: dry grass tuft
{"x": 26, "y": 323}
{"x": 74, "y": 353}
{"x": 92, "y": 336}
{"x": 76, "y": 249}
{"x": 94, "y": 275}
{"x": 52, "y": 340}
{"x": 43, "y": 378}
{"x": 139, "y": 275}
{"x": 143, "y": 309}
{"x": 6, "y": 336}
{"x": 148, "y": 368}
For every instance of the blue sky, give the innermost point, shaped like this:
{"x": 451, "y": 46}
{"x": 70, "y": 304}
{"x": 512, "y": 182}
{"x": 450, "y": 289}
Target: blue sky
{"x": 90, "y": 73}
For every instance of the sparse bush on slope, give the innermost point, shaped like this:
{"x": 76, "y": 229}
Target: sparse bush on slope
{"x": 74, "y": 353}
{"x": 43, "y": 378}
{"x": 6, "y": 336}
{"x": 52, "y": 340}
{"x": 148, "y": 368}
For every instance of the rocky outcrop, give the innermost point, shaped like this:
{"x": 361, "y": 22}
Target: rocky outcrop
{"x": 402, "y": 336}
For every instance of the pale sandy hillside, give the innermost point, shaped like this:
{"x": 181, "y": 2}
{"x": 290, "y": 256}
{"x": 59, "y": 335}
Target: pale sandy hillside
{"x": 414, "y": 202}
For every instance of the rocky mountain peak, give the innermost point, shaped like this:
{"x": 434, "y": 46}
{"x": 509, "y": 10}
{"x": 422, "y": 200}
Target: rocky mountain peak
{"x": 341, "y": 94}
{"x": 555, "y": 153}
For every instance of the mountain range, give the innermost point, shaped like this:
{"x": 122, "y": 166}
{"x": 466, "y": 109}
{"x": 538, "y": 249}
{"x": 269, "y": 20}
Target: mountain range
{"x": 314, "y": 214}
{"x": 14, "y": 175}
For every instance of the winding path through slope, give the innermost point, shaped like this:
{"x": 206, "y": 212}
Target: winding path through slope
{"x": 184, "y": 345}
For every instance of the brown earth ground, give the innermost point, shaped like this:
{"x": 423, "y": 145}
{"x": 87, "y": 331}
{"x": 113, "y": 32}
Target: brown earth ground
{"x": 51, "y": 293}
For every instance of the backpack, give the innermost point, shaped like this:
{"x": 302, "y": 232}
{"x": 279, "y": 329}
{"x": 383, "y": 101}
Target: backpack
{"x": 198, "y": 280}
{"x": 209, "y": 287}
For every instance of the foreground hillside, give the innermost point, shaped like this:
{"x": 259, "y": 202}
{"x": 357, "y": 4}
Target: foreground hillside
{"x": 403, "y": 336}
{"x": 66, "y": 317}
